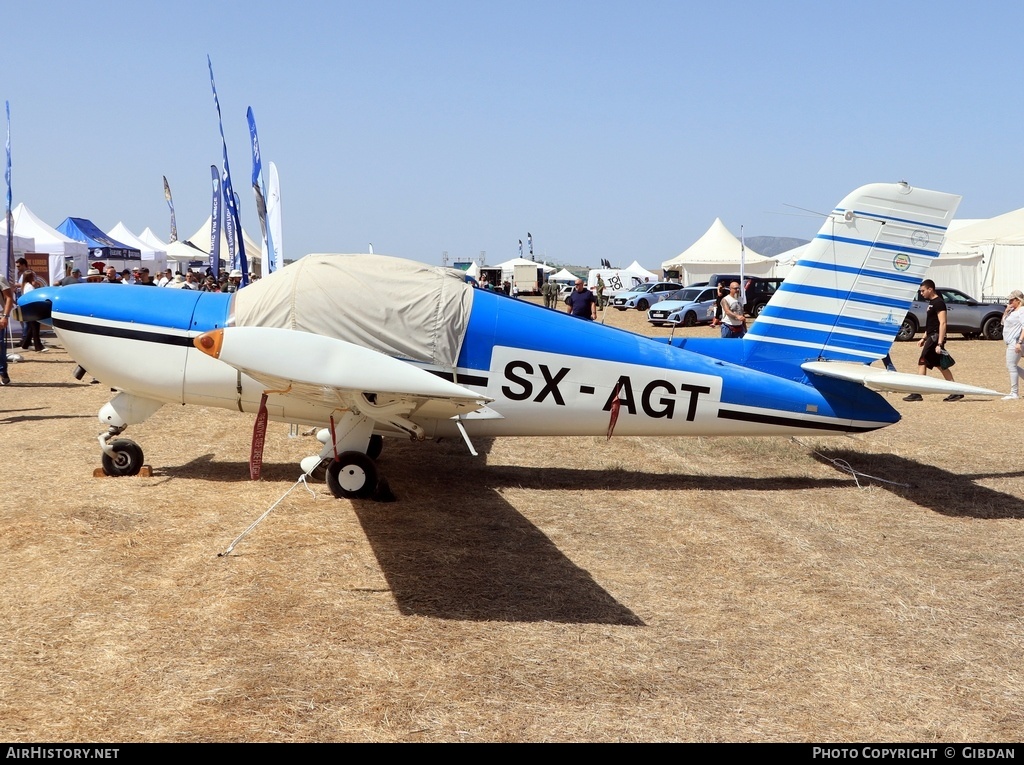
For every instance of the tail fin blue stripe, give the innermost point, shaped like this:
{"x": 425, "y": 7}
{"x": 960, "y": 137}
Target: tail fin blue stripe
{"x": 823, "y": 319}
{"x": 832, "y": 294}
{"x": 879, "y": 245}
{"x": 922, "y": 224}
{"x": 819, "y": 338}
{"x": 905, "y": 278}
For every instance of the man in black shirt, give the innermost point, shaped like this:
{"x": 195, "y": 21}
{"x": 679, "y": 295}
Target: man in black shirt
{"x": 933, "y": 344}
{"x": 582, "y": 302}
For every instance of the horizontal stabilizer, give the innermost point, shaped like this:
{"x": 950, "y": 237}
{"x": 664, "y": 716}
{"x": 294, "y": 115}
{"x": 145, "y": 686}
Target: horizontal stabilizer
{"x": 896, "y": 382}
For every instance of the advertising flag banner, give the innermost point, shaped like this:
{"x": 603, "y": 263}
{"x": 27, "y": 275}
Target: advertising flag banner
{"x": 170, "y": 203}
{"x": 234, "y": 227}
{"x": 215, "y": 217}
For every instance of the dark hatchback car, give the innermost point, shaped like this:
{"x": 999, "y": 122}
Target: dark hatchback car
{"x": 757, "y": 290}
{"x": 964, "y": 314}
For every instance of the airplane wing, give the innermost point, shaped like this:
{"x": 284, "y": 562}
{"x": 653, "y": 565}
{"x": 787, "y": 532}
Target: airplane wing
{"x": 896, "y": 382}
{"x": 334, "y": 373}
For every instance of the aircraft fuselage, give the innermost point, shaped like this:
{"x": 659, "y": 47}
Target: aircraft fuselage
{"x": 547, "y": 373}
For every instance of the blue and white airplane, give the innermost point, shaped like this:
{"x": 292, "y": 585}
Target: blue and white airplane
{"x": 366, "y": 346}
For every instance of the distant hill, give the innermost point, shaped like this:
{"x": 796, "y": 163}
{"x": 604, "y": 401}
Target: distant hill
{"x": 770, "y": 246}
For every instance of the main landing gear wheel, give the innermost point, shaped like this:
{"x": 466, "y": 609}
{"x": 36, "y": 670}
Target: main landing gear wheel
{"x": 127, "y": 458}
{"x": 352, "y": 475}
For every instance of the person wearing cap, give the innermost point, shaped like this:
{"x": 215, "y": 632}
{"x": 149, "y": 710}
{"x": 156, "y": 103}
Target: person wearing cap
{"x": 234, "y": 281}
{"x": 1013, "y": 336}
{"x": 93, "y": 276}
{"x": 74, "y": 278}
{"x": 144, "y": 280}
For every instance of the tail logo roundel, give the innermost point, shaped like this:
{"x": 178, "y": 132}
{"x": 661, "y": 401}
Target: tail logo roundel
{"x": 901, "y": 262}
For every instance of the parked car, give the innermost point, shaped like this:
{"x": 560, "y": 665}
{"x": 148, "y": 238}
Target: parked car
{"x": 687, "y": 307}
{"x": 644, "y": 296}
{"x": 758, "y": 290}
{"x": 963, "y": 314}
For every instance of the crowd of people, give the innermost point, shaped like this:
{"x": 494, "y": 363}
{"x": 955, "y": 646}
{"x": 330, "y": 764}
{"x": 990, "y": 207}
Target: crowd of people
{"x": 26, "y": 280}
{"x": 141, "y": 276}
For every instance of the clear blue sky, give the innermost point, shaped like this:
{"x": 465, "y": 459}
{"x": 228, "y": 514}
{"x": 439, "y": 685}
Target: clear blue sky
{"x": 607, "y": 129}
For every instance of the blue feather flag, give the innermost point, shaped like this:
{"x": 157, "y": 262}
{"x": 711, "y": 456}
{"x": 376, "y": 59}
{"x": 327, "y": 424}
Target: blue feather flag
{"x": 234, "y": 228}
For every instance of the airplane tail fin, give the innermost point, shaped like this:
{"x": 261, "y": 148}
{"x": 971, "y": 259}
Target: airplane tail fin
{"x": 848, "y": 295}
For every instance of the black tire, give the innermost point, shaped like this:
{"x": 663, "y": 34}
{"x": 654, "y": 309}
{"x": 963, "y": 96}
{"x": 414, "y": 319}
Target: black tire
{"x": 907, "y": 329}
{"x": 352, "y": 476}
{"x": 127, "y": 459}
{"x": 992, "y": 329}
{"x": 375, "y": 447}
{"x": 690, "y": 319}
{"x": 756, "y": 310}
{"x": 642, "y": 305}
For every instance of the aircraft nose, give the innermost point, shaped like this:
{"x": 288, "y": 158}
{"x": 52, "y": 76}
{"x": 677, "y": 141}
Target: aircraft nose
{"x": 35, "y": 306}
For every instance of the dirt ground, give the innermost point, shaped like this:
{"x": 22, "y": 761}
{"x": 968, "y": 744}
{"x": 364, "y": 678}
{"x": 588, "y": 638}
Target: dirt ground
{"x": 862, "y": 588}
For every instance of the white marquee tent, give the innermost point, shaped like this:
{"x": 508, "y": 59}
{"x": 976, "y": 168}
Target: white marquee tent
{"x": 636, "y": 268}
{"x": 154, "y": 258}
{"x": 153, "y": 240}
{"x": 984, "y": 258}
{"x": 718, "y": 251}
{"x": 563, "y": 276}
{"x": 22, "y": 244}
{"x": 47, "y": 239}
{"x": 253, "y": 249}
{"x": 508, "y": 268}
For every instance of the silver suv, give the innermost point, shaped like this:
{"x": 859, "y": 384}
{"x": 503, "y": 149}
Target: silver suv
{"x": 963, "y": 314}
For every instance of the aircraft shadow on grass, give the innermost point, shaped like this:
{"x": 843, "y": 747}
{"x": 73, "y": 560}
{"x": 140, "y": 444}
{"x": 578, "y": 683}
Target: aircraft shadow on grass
{"x": 954, "y": 494}
{"x": 9, "y": 418}
{"x": 473, "y": 556}
{"x": 49, "y": 385}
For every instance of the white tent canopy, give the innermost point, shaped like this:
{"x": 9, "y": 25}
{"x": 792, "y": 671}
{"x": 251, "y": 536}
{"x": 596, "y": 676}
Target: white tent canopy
{"x": 153, "y": 240}
{"x": 636, "y": 268}
{"x": 155, "y": 258}
{"x": 201, "y": 239}
{"x": 509, "y": 265}
{"x": 47, "y": 239}
{"x": 718, "y": 251}
{"x": 22, "y": 244}
{"x": 183, "y": 252}
{"x": 563, "y": 276}
{"x": 785, "y": 261}
{"x": 984, "y": 258}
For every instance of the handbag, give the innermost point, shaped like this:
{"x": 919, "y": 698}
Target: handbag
{"x": 945, "y": 360}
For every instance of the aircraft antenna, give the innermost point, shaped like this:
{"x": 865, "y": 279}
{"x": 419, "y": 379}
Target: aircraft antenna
{"x": 815, "y": 213}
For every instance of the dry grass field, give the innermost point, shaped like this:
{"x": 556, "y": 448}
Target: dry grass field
{"x": 548, "y": 590}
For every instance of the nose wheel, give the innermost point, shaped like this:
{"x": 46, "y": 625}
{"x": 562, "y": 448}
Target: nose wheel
{"x": 126, "y": 458}
{"x": 352, "y": 475}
